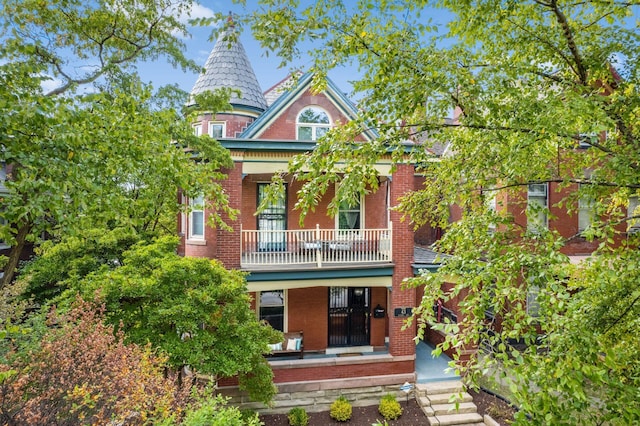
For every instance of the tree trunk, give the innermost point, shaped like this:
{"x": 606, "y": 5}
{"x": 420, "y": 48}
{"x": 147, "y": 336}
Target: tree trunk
{"x": 14, "y": 255}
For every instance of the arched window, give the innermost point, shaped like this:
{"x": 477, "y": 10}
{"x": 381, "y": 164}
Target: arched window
{"x": 313, "y": 122}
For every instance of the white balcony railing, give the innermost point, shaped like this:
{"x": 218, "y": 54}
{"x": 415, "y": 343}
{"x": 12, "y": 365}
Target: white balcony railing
{"x": 315, "y": 247}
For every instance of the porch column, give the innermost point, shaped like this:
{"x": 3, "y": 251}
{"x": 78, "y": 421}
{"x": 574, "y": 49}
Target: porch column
{"x": 401, "y": 341}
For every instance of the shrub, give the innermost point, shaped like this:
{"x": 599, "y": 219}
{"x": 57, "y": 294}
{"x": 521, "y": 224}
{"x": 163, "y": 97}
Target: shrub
{"x": 298, "y": 417}
{"x": 389, "y": 407}
{"x": 81, "y": 372}
{"x": 341, "y": 409}
{"x": 212, "y": 410}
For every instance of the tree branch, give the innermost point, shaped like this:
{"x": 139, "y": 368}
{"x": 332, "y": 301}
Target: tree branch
{"x": 571, "y": 43}
{"x": 626, "y": 311}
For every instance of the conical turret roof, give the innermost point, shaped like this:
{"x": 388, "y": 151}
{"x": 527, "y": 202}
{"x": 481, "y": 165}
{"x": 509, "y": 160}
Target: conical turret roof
{"x": 229, "y": 66}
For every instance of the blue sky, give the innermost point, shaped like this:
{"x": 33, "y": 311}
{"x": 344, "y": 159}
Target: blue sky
{"x": 199, "y": 46}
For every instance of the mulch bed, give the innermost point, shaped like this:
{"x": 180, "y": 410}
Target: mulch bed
{"x": 361, "y": 416}
{"x": 498, "y": 409}
{"x": 412, "y": 414}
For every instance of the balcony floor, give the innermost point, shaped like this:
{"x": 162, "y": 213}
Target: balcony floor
{"x": 312, "y": 266}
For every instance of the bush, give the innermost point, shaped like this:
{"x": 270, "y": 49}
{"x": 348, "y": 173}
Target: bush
{"x": 341, "y": 409}
{"x": 82, "y": 372}
{"x": 298, "y": 417}
{"x": 212, "y": 410}
{"x": 389, "y": 407}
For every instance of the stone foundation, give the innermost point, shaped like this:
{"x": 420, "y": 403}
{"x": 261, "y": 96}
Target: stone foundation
{"x": 318, "y": 396}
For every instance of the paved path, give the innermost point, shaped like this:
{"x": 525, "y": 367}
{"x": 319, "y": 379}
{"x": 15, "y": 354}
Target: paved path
{"x": 430, "y": 369}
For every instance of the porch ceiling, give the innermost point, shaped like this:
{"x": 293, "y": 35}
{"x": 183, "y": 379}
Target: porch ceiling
{"x": 277, "y": 163}
{"x": 384, "y": 281}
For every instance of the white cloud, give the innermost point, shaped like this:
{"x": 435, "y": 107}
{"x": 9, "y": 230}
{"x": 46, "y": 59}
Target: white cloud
{"x": 197, "y": 11}
{"x": 200, "y": 11}
{"x": 49, "y": 83}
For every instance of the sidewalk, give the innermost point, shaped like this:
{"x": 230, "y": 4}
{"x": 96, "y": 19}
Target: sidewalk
{"x": 430, "y": 369}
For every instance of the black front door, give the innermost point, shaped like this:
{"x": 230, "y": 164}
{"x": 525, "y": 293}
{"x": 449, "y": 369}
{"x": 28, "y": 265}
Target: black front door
{"x": 349, "y": 316}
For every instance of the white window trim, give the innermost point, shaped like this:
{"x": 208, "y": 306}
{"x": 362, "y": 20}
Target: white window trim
{"x": 190, "y": 234}
{"x": 633, "y": 209}
{"x": 197, "y": 129}
{"x": 533, "y": 304}
{"x": 3, "y": 244}
{"x": 211, "y": 124}
{"x": 491, "y": 202}
{"x": 183, "y": 216}
{"x": 285, "y": 311}
{"x": 362, "y": 216}
{"x": 314, "y": 126}
{"x": 585, "y": 139}
{"x": 3, "y": 176}
{"x": 585, "y": 207}
{"x": 538, "y": 194}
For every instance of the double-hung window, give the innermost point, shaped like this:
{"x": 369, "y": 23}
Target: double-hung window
{"x": 271, "y": 308}
{"x": 196, "y": 218}
{"x": 3, "y": 176}
{"x": 313, "y": 123}
{"x": 633, "y": 210}
{"x": 3, "y": 244}
{"x": 491, "y": 202}
{"x": 586, "y": 212}
{"x": 537, "y": 201}
{"x": 350, "y": 216}
{"x": 533, "y": 304}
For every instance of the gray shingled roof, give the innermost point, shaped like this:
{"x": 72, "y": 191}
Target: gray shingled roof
{"x": 229, "y": 66}
{"x": 426, "y": 256}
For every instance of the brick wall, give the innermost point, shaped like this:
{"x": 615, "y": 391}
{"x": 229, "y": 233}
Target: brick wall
{"x": 284, "y": 127}
{"x": 349, "y": 369}
{"x": 308, "y": 310}
{"x": 401, "y": 341}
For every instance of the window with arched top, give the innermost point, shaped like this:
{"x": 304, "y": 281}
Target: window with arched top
{"x": 313, "y": 123}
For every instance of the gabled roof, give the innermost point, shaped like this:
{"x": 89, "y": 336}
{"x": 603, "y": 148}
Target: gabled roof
{"x": 333, "y": 93}
{"x": 229, "y": 66}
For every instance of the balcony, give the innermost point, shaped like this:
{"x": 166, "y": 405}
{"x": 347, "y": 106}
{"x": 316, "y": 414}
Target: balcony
{"x": 315, "y": 248}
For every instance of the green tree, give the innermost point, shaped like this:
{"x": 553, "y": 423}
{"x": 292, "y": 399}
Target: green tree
{"x": 192, "y": 309}
{"x": 87, "y": 144}
{"x": 528, "y": 80}
{"x": 81, "y": 372}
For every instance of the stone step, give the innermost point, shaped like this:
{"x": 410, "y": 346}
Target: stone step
{"x": 432, "y": 388}
{"x": 427, "y": 410}
{"x": 463, "y": 407}
{"x": 456, "y": 419}
{"x": 446, "y": 398}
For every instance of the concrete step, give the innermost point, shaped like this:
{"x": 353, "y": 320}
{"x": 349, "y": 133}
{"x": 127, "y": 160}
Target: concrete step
{"x": 432, "y": 388}
{"x": 446, "y": 398}
{"x": 463, "y": 407}
{"x": 456, "y": 419}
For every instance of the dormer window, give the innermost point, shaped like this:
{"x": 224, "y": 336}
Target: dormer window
{"x": 313, "y": 123}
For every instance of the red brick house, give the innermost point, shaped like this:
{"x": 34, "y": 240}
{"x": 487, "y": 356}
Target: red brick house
{"x": 336, "y": 279}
